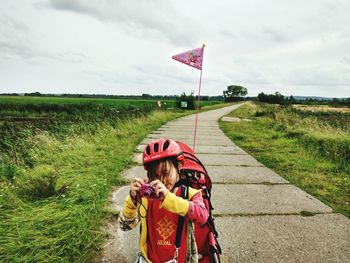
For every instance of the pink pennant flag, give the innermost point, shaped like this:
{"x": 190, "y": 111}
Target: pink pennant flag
{"x": 193, "y": 58}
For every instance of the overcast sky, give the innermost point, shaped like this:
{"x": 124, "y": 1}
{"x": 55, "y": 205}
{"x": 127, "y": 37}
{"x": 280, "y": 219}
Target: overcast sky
{"x": 296, "y": 47}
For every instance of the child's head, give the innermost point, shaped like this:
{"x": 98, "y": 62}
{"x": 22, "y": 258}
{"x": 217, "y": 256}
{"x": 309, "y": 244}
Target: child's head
{"x": 165, "y": 170}
{"x": 162, "y": 160}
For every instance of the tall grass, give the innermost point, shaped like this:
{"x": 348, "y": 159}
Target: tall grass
{"x": 327, "y": 133}
{"x": 310, "y": 150}
{"x": 18, "y": 122}
{"x": 58, "y": 164}
{"x": 52, "y": 212}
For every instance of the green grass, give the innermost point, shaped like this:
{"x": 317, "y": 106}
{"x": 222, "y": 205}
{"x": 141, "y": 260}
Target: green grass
{"x": 116, "y": 103}
{"x": 56, "y": 176}
{"x": 64, "y": 224}
{"x": 64, "y": 101}
{"x": 307, "y": 151}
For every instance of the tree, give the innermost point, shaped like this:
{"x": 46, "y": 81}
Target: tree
{"x": 292, "y": 99}
{"x": 144, "y": 95}
{"x": 185, "y": 101}
{"x": 234, "y": 93}
{"x": 276, "y": 98}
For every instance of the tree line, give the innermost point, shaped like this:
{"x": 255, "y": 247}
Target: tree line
{"x": 238, "y": 93}
{"x": 278, "y": 98}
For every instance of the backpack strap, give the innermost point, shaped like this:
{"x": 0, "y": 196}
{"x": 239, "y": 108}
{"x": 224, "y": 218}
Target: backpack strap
{"x": 180, "y": 223}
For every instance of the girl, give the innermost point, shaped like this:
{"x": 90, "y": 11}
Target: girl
{"x": 162, "y": 236}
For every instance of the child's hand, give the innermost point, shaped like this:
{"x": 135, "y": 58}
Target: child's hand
{"x": 161, "y": 190}
{"x": 135, "y": 187}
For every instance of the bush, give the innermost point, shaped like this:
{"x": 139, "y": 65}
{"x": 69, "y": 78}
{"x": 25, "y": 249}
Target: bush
{"x": 266, "y": 113}
{"x": 8, "y": 171}
{"x": 38, "y": 183}
{"x": 336, "y": 148}
{"x": 276, "y": 98}
{"x": 189, "y": 99}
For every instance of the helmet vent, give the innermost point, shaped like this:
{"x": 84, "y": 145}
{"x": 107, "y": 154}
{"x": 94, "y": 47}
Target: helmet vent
{"x": 165, "y": 145}
{"x": 148, "y": 150}
{"x": 156, "y": 147}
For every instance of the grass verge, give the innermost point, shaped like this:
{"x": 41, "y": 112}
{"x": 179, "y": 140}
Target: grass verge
{"x": 289, "y": 144}
{"x": 53, "y": 211}
{"x": 52, "y": 199}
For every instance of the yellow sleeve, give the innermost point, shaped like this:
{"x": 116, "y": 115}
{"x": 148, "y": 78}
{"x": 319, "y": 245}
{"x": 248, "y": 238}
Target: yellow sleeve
{"x": 129, "y": 210}
{"x": 177, "y": 205}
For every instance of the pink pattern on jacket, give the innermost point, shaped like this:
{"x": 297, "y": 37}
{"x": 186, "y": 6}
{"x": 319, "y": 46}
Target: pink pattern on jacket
{"x": 197, "y": 212}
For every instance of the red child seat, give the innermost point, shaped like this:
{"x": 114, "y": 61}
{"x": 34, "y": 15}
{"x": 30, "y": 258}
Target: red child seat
{"x": 196, "y": 176}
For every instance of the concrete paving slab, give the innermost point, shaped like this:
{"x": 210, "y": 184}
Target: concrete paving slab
{"x": 179, "y": 125}
{"x": 225, "y": 174}
{"x": 217, "y": 159}
{"x": 189, "y": 141}
{"x": 183, "y": 136}
{"x": 170, "y": 133}
{"x": 247, "y": 199}
{"x": 189, "y": 137}
{"x": 229, "y": 159}
{"x": 135, "y": 171}
{"x": 285, "y": 239}
{"x": 192, "y": 119}
{"x": 137, "y": 158}
{"x": 244, "y": 175}
{"x": 191, "y": 122}
{"x": 188, "y": 128}
{"x": 230, "y": 119}
{"x": 140, "y": 148}
{"x": 208, "y": 149}
{"x": 219, "y": 149}
{"x": 121, "y": 246}
{"x": 118, "y": 197}
{"x": 210, "y": 135}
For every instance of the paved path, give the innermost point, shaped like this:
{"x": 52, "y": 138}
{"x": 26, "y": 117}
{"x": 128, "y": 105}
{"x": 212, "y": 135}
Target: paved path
{"x": 259, "y": 215}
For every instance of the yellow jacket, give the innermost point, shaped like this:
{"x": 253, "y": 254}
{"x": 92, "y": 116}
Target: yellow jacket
{"x": 128, "y": 216}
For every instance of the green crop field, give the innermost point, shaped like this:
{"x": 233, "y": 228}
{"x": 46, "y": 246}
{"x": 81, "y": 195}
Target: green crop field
{"x": 311, "y": 149}
{"x": 65, "y": 100}
{"x": 59, "y": 159}
{"x": 117, "y": 103}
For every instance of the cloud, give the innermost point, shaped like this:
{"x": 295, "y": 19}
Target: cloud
{"x": 143, "y": 18}
{"x": 275, "y": 35}
{"x": 318, "y": 76}
{"x": 346, "y": 61}
{"x": 332, "y": 5}
{"x": 28, "y": 53}
{"x": 125, "y": 47}
{"x": 9, "y": 23}
{"x": 16, "y": 43}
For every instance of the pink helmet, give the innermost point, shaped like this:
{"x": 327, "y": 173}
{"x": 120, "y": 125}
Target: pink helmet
{"x": 161, "y": 149}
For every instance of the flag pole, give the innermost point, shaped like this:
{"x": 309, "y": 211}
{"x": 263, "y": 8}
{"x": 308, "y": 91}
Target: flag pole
{"x": 199, "y": 97}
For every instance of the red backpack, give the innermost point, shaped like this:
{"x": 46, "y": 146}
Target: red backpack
{"x": 196, "y": 176}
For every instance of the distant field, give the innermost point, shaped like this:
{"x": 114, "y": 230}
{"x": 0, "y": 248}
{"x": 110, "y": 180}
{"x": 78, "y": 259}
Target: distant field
{"x": 111, "y": 102}
{"x": 118, "y": 103}
{"x": 321, "y": 108}
{"x": 311, "y": 149}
